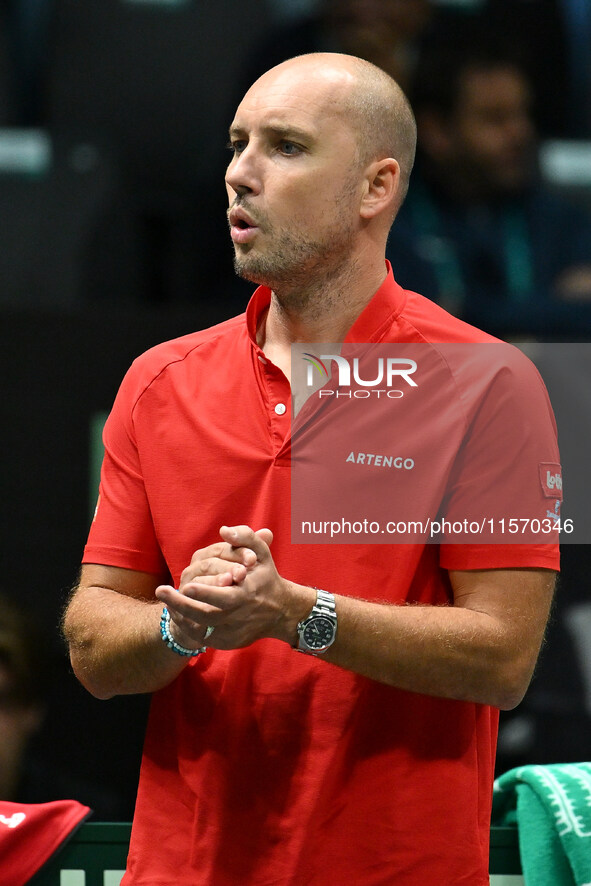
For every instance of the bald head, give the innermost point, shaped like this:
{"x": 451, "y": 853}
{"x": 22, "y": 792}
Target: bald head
{"x": 383, "y": 119}
{"x": 372, "y": 103}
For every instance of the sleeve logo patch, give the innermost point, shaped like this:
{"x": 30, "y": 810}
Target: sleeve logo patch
{"x": 551, "y": 480}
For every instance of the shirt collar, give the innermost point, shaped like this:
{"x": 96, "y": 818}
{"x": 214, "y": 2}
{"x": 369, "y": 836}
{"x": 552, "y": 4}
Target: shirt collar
{"x": 373, "y": 322}
{"x": 257, "y": 306}
{"x": 376, "y": 318}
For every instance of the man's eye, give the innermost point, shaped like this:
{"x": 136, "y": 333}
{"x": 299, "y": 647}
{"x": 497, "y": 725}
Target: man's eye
{"x": 236, "y": 146}
{"x": 289, "y": 148}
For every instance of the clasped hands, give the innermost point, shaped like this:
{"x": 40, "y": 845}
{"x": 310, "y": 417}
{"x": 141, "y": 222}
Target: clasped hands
{"x": 234, "y": 587}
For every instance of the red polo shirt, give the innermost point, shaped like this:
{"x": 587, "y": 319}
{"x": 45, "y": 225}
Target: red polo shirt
{"x": 263, "y": 766}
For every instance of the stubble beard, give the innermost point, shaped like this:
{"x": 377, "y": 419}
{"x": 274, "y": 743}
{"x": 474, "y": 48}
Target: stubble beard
{"x": 296, "y": 267}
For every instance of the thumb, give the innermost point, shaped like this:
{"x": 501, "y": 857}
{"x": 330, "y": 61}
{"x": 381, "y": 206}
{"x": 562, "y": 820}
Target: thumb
{"x": 265, "y": 535}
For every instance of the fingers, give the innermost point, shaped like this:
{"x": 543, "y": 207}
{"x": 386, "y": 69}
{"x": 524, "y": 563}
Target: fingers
{"x": 266, "y": 535}
{"x": 200, "y": 603}
{"x": 228, "y": 561}
{"x": 222, "y": 551}
{"x": 189, "y": 625}
{"x": 218, "y": 567}
{"x": 220, "y": 580}
{"x": 242, "y": 547}
{"x": 244, "y": 538}
{"x": 230, "y": 586}
{"x": 189, "y": 619}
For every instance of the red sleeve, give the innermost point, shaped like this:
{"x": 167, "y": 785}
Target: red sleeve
{"x": 122, "y": 532}
{"x": 507, "y": 478}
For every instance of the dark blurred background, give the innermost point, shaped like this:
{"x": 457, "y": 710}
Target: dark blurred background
{"x": 113, "y": 125}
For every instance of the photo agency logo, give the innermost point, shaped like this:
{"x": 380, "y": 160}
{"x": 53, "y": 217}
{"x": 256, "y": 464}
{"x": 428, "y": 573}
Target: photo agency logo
{"x": 370, "y": 377}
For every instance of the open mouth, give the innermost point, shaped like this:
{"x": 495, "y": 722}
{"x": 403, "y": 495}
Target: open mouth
{"x": 240, "y": 219}
{"x": 242, "y": 229}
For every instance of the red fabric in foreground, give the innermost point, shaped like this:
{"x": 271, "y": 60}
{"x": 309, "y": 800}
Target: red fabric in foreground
{"x": 30, "y": 833}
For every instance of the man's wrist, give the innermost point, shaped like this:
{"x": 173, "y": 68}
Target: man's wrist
{"x": 171, "y": 642}
{"x": 317, "y": 632}
{"x": 299, "y": 600}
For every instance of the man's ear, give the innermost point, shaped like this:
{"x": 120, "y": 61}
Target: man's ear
{"x": 381, "y": 187}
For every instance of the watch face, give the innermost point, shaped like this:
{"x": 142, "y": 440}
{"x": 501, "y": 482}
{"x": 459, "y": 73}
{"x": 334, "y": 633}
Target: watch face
{"x": 319, "y": 633}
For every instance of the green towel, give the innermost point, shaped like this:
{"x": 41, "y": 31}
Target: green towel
{"x": 551, "y": 806}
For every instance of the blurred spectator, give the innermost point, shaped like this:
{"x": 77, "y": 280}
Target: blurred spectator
{"x": 479, "y": 233}
{"x": 26, "y": 676}
{"x": 387, "y": 33}
{"x": 23, "y": 690}
{"x": 557, "y": 37}
{"x": 539, "y": 28}
{"x": 553, "y": 34}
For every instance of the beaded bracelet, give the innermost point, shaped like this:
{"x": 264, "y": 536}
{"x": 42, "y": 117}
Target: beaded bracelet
{"x": 171, "y": 642}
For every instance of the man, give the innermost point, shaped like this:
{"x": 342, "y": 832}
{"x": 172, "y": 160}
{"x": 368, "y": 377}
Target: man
{"x": 263, "y": 765}
{"x": 480, "y": 234}
{"x": 23, "y": 692}
{"x": 27, "y": 774}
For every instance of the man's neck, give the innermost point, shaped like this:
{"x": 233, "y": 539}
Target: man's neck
{"x": 322, "y": 313}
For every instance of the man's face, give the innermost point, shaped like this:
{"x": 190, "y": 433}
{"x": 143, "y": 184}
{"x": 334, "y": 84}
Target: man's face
{"x": 294, "y": 182}
{"x": 18, "y": 721}
{"x": 491, "y": 130}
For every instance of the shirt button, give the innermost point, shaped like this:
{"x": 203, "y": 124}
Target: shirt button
{"x": 281, "y": 409}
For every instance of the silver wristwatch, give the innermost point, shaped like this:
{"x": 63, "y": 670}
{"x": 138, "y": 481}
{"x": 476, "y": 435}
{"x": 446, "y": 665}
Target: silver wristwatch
{"x": 317, "y": 632}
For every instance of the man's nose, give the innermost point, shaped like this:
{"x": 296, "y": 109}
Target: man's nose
{"x": 243, "y": 173}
